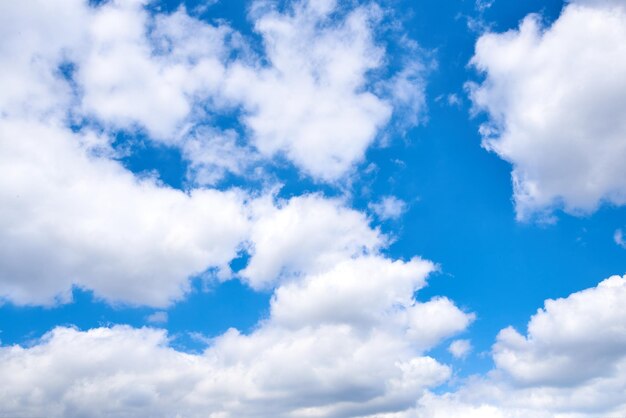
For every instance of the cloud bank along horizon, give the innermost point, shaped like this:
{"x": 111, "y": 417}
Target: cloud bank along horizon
{"x": 305, "y": 95}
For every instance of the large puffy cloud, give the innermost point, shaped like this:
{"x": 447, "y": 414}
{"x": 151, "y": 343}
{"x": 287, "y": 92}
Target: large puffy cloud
{"x": 361, "y": 363}
{"x": 74, "y": 216}
{"x": 556, "y": 97}
{"x": 370, "y": 292}
{"x": 71, "y": 214}
{"x": 128, "y": 68}
{"x": 571, "y": 340}
{"x": 71, "y": 218}
{"x": 570, "y": 363}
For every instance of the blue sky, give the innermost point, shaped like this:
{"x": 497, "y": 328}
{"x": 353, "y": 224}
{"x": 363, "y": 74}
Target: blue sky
{"x": 355, "y": 188}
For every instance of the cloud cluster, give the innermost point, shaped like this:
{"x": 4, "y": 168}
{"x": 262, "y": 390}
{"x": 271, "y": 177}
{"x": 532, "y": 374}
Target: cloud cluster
{"x": 88, "y": 222}
{"x": 305, "y": 234}
{"x": 74, "y": 216}
{"x": 346, "y": 342}
{"x": 349, "y": 352}
{"x": 307, "y": 94}
{"x": 556, "y": 97}
{"x": 73, "y": 74}
{"x": 345, "y": 335}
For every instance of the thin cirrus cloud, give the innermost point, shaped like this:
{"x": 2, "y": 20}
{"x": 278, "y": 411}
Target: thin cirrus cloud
{"x": 555, "y": 97}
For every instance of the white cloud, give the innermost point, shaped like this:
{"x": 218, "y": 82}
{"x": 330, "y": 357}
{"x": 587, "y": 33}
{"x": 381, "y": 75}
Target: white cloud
{"x": 329, "y": 371}
{"x": 482, "y": 5}
{"x": 355, "y": 291}
{"x": 213, "y": 153}
{"x": 556, "y": 97}
{"x": 407, "y": 90}
{"x": 71, "y": 218}
{"x": 345, "y": 335}
{"x": 310, "y": 102}
{"x": 360, "y": 363}
{"x": 570, "y": 363}
{"x": 571, "y": 340}
{"x": 306, "y": 234}
{"x": 460, "y": 348}
{"x": 389, "y": 207}
{"x": 71, "y": 215}
{"x": 131, "y": 75}
{"x": 34, "y": 40}
{"x": 445, "y": 319}
{"x": 454, "y": 100}
{"x": 74, "y": 218}
{"x": 306, "y": 97}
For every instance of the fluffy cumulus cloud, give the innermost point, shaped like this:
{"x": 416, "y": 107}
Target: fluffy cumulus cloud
{"x": 306, "y": 95}
{"x": 371, "y": 284}
{"x": 571, "y": 340}
{"x": 73, "y": 218}
{"x": 310, "y": 103}
{"x": 72, "y": 215}
{"x": 134, "y": 76}
{"x": 353, "y": 353}
{"x": 345, "y": 334}
{"x": 305, "y": 234}
{"x": 556, "y": 97}
{"x": 570, "y": 363}
{"x": 74, "y": 74}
